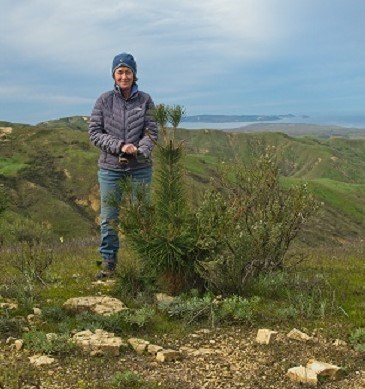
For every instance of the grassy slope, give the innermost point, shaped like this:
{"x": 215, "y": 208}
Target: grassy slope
{"x": 334, "y": 168}
{"x": 67, "y": 209}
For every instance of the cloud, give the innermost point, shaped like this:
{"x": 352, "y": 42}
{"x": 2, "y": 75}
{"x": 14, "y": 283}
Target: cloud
{"x": 178, "y": 46}
{"x": 72, "y": 33}
{"x": 14, "y": 93}
{"x": 201, "y": 53}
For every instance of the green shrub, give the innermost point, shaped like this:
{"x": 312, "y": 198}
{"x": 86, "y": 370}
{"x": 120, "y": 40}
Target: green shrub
{"x": 247, "y": 222}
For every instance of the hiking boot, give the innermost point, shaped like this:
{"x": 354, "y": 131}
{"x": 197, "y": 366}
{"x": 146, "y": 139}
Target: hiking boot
{"x": 105, "y": 274}
{"x": 107, "y": 270}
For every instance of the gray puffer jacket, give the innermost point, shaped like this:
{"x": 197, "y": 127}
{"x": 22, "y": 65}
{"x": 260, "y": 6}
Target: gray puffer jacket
{"x": 116, "y": 121}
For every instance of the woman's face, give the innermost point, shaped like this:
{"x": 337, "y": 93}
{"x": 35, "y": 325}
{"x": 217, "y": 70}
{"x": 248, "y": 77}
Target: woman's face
{"x": 123, "y": 76}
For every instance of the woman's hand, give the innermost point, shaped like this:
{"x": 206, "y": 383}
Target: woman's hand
{"x": 129, "y": 148}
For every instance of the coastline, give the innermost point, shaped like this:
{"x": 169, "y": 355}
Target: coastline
{"x": 349, "y": 121}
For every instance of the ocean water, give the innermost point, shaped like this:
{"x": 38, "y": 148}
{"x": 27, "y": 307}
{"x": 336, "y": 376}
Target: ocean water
{"x": 346, "y": 121}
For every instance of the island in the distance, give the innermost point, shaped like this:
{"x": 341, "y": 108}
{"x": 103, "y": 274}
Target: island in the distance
{"x": 234, "y": 118}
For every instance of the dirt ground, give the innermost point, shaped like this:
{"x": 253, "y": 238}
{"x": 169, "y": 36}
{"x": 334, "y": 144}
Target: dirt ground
{"x": 220, "y": 358}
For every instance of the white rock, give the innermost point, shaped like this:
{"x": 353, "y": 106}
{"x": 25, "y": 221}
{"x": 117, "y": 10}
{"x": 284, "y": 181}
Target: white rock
{"x": 203, "y": 331}
{"x": 10, "y": 339}
{"x": 168, "y": 355}
{"x": 339, "y": 343}
{"x": 37, "y": 312}
{"x": 298, "y": 335}
{"x": 265, "y": 336}
{"x": 139, "y": 345}
{"x": 51, "y": 336}
{"x": 164, "y": 298}
{"x": 324, "y": 369}
{"x": 9, "y": 305}
{"x": 19, "y": 344}
{"x": 153, "y": 349}
{"x": 103, "y": 305}
{"x": 303, "y": 375}
{"x": 31, "y": 318}
{"x": 97, "y": 353}
{"x": 39, "y": 360}
{"x": 99, "y": 343}
{"x": 203, "y": 351}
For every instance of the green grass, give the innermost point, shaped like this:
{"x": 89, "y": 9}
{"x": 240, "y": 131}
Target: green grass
{"x": 198, "y": 163}
{"x": 346, "y": 198}
{"x": 11, "y": 166}
{"x": 331, "y": 276}
{"x": 339, "y": 271}
{"x": 346, "y": 273}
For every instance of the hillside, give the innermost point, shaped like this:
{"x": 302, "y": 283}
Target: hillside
{"x": 304, "y": 129}
{"x": 49, "y": 172}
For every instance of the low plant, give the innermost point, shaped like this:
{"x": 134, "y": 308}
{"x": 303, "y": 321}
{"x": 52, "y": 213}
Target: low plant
{"x": 238, "y": 309}
{"x": 90, "y": 321}
{"x": 33, "y": 254}
{"x": 9, "y": 326}
{"x": 212, "y": 309}
{"x": 3, "y": 198}
{"x": 191, "y": 310}
{"x": 357, "y": 339}
{"x": 139, "y": 317}
{"x": 54, "y": 313}
{"x": 57, "y": 344}
{"x": 21, "y": 376}
{"x": 130, "y": 380}
{"x": 133, "y": 280}
{"x": 299, "y": 294}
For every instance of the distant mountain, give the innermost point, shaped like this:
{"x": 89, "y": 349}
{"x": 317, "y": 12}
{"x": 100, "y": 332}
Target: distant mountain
{"x": 234, "y": 118}
{"x": 81, "y": 122}
{"x": 302, "y": 129}
{"x": 74, "y": 122}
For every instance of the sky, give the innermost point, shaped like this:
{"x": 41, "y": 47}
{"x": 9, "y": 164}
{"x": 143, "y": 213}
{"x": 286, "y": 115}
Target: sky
{"x": 232, "y": 57}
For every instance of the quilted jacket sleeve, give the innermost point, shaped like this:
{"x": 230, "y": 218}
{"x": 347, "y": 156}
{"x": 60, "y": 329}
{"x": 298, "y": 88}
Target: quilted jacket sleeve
{"x": 106, "y": 142}
{"x": 145, "y": 145}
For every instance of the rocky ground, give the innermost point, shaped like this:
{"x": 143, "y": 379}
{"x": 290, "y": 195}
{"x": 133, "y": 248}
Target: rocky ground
{"x": 220, "y": 358}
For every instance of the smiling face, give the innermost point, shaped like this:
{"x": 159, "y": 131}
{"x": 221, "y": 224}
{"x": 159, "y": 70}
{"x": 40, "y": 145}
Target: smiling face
{"x": 124, "y": 77}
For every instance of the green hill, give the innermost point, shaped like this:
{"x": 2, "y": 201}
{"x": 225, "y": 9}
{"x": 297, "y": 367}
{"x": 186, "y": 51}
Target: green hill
{"x": 49, "y": 172}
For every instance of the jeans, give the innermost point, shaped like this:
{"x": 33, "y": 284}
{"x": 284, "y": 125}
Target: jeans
{"x": 111, "y": 196}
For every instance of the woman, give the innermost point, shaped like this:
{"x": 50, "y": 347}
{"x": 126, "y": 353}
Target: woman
{"x": 122, "y": 127}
